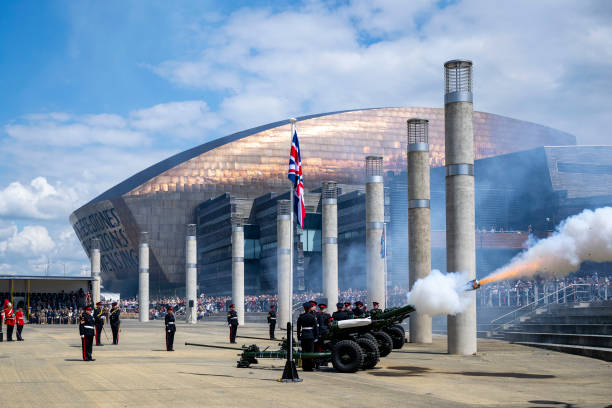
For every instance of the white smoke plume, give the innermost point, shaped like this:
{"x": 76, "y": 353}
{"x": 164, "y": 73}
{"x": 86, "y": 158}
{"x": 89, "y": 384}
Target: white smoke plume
{"x": 583, "y": 237}
{"x": 440, "y": 293}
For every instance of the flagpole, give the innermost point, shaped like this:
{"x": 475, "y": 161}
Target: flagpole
{"x": 291, "y": 194}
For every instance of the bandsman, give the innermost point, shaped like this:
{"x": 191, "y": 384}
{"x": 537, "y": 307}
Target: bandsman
{"x": 115, "y": 322}
{"x": 87, "y": 331}
{"x": 9, "y": 317}
{"x": 170, "y": 329}
{"x": 232, "y": 322}
{"x": 19, "y": 321}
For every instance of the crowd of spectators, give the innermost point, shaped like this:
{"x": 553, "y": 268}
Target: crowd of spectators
{"x": 556, "y": 290}
{"x": 63, "y": 307}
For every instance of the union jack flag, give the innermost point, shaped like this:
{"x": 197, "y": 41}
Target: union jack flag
{"x": 295, "y": 175}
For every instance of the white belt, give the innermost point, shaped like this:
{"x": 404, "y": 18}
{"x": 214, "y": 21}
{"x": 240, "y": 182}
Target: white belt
{"x": 88, "y": 327}
{"x": 273, "y": 318}
{"x": 170, "y": 322}
{"x": 306, "y": 328}
{"x": 233, "y": 317}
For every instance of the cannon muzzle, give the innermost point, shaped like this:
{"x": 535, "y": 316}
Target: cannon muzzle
{"x": 472, "y": 285}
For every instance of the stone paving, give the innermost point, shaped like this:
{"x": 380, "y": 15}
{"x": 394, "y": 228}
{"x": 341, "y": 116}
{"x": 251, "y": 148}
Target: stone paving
{"x": 46, "y": 371}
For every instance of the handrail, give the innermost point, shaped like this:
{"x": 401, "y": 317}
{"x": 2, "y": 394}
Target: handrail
{"x": 537, "y": 301}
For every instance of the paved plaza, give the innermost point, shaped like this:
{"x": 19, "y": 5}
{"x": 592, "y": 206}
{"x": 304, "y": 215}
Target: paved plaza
{"x": 46, "y": 371}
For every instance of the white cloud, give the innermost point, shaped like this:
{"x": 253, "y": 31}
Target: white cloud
{"x": 39, "y": 200}
{"x": 33, "y": 240}
{"x": 549, "y": 62}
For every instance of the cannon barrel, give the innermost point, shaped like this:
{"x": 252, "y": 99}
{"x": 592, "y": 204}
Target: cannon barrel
{"x": 395, "y": 313}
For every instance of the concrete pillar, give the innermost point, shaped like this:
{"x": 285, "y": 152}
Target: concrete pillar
{"x": 238, "y": 267}
{"x": 191, "y": 275}
{"x": 419, "y": 223}
{"x": 329, "y": 233}
{"x": 375, "y": 223}
{"x": 143, "y": 277}
{"x": 460, "y": 219}
{"x": 283, "y": 261}
{"x": 95, "y": 270}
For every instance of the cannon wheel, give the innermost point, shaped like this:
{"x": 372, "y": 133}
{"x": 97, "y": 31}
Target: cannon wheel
{"x": 347, "y": 356}
{"x": 385, "y": 343}
{"x": 397, "y": 336}
{"x": 399, "y": 326}
{"x": 368, "y": 336}
{"x": 370, "y": 353}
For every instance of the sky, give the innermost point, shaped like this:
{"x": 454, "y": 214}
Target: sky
{"x": 92, "y": 92}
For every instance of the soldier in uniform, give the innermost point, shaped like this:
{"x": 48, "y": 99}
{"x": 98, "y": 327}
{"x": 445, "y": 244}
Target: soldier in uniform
{"x": 307, "y": 334}
{"x": 99, "y": 320}
{"x": 348, "y": 310}
{"x": 87, "y": 330}
{"x": 339, "y": 314}
{"x": 324, "y": 320}
{"x": 358, "y": 311}
{"x": 20, "y": 322}
{"x": 272, "y": 321}
{"x": 115, "y": 322}
{"x": 232, "y": 322}
{"x": 375, "y": 309}
{"x": 170, "y": 329}
{"x": 9, "y": 317}
{"x": 1, "y": 322}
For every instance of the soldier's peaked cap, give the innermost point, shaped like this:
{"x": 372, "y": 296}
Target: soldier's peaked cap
{"x": 339, "y": 304}
{"x": 307, "y": 304}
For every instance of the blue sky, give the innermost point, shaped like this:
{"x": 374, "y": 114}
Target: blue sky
{"x": 94, "y": 91}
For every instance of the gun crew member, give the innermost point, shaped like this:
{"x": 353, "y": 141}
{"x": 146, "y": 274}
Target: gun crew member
{"x": 307, "y": 334}
{"x": 87, "y": 330}
{"x": 115, "y": 322}
{"x": 339, "y": 314}
{"x": 272, "y": 321}
{"x": 232, "y": 322}
{"x": 99, "y": 322}
{"x": 170, "y": 329}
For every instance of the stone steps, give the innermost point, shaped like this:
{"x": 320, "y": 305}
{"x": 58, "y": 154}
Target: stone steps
{"x": 591, "y": 340}
{"x": 602, "y": 353}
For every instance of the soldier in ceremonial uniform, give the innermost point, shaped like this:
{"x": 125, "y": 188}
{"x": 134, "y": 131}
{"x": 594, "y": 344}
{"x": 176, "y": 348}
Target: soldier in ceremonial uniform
{"x": 339, "y": 314}
{"x": 87, "y": 331}
{"x": 358, "y": 311}
{"x": 1, "y": 322}
{"x": 115, "y": 322}
{"x": 307, "y": 334}
{"x": 99, "y": 322}
{"x": 324, "y": 320}
{"x": 232, "y": 322}
{"x": 19, "y": 321}
{"x": 375, "y": 309}
{"x": 9, "y": 317}
{"x": 272, "y": 321}
{"x": 348, "y": 310}
{"x": 170, "y": 329}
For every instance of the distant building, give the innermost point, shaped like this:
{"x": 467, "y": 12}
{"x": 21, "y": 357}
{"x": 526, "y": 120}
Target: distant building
{"x": 163, "y": 198}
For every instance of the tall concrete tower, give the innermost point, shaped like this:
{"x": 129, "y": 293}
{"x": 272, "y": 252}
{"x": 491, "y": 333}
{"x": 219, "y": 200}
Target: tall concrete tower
{"x": 283, "y": 259}
{"x": 419, "y": 222}
{"x": 238, "y": 267}
{"x": 329, "y": 231}
{"x": 143, "y": 277}
{"x": 460, "y": 224}
{"x": 375, "y": 224}
{"x": 191, "y": 275}
{"x": 95, "y": 270}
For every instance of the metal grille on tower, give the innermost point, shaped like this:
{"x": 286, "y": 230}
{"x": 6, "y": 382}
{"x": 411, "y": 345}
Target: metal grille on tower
{"x": 418, "y": 131}
{"x": 458, "y": 76}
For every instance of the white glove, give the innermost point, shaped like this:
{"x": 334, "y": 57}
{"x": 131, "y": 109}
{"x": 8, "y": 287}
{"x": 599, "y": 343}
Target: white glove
{"x": 82, "y": 336}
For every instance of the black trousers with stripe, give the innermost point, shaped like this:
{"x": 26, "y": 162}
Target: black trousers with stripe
{"x": 87, "y": 346}
{"x": 233, "y": 330}
{"x": 115, "y": 329}
{"x": 169, "y": 340}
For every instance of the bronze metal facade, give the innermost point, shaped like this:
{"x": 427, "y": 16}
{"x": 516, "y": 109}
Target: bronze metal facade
{"x": 162, "y": 198}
